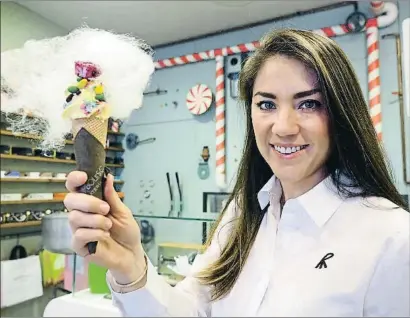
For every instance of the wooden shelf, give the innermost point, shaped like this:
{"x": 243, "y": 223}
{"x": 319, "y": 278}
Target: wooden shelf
{"x": 26, "y": 136}
{"x": 35, "y": 158}
{"x": 21, "y": 202}
{"x": 19, "y": 224}
{"x": 68, "y": 142}
{"x": 41, "y": 180}
{"x": 5, "y": 132}
{"x": 5, "y": 202}
{"x": 44, "y": 159}
{"x": 32, "y": 180}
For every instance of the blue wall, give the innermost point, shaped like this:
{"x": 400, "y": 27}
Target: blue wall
{"x": 181, "y": 136}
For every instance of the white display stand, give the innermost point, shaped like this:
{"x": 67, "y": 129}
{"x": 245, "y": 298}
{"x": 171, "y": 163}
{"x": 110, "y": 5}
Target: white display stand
{"x": 81, "y": 304}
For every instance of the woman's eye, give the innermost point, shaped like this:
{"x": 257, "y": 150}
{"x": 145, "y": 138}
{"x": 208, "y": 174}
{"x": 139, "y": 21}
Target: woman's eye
{"x": 310, "y": 104}
{"x": 266, "y": 105}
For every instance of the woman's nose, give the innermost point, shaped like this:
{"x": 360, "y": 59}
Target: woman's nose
{"x": 285, "y": 123}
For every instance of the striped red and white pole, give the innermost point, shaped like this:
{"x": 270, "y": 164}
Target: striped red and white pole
{"x": 207, "y": 55}
{"x": 377, "y": 7}
{"x": 373, "y": 68}
{"x": 331, "y": 31}
{"x": 220, "y": 122}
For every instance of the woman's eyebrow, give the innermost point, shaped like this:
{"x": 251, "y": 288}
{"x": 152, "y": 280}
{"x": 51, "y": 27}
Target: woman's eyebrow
{"x": 296, "y": 96}
{"x": 265, "y": 94}
{"x": 307, "y": 93}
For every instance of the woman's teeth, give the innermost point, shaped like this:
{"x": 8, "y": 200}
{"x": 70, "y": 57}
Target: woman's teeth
{"x": 289, "y": 150}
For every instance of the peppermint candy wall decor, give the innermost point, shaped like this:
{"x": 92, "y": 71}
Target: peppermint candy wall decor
{"x": 199, "y": 99}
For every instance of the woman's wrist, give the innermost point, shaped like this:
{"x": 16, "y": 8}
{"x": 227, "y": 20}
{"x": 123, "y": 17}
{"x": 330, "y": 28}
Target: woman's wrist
{"x": 134, "y": 273}
{"x": 126, "y": 288}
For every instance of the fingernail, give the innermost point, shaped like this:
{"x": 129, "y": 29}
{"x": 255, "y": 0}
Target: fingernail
{"x": 108, "y": 224}
{"x": 105, "y": 208}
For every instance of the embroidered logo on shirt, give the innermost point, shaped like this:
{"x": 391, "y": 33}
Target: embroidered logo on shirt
{"x": 322, "y": 262}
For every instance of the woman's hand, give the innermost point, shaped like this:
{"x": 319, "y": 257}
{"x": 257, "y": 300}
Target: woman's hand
{"x": 109, "y": 223}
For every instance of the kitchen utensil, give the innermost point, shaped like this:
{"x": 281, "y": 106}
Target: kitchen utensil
{"x": 56, "y": 233}
{"x": 180, "y": 195}
{"x": 170, "y": 195}
{"x": 18, "y": 251}
{"x": 132, "y": 141}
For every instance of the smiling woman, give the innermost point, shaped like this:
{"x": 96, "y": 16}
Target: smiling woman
{"x": 291, "y": 125}
{"x": 314, "y": 226}
{"x": 307, "y": 124}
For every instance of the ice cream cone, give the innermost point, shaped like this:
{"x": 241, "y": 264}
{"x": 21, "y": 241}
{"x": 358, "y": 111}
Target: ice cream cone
{"x": 95, "y": 126}
{"x": 90, "y": 135}
{"x": 85, "y": 106}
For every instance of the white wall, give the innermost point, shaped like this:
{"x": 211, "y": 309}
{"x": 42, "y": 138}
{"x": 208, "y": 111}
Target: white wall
{"x": 19, "y": 24}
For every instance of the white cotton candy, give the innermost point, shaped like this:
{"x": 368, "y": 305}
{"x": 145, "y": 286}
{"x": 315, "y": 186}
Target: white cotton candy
{"x": 39, "y": 73}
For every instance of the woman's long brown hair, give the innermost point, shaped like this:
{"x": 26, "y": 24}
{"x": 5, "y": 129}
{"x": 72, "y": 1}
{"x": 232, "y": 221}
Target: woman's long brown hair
{"x": 356, "y": 152}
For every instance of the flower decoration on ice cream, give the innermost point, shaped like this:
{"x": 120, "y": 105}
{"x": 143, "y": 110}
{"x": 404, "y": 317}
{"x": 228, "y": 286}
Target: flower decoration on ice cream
{"x": 86, "y": 97}
{"x": 88, "y": 107}
{"x": 87, "y": 70}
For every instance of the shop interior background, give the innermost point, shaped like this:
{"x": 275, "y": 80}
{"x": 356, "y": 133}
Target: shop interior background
{"x": 177, "y": 28}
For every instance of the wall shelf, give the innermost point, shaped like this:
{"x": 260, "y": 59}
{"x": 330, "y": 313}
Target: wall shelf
{"x": 5, "y": 202}
{"x": 28, "y": 136}
{"x": 44, "y": 159}
{"x": 142, "y": 216}
{"x": 4, "y": 132}
{"x": 42, "y": 180}
{"x": 19, "y": 224}
{"x": 68, "y": 142}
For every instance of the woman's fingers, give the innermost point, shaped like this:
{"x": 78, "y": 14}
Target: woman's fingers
{"x": 83, "y": 251}
{"x": 80, "y": 219}
{"x": 75, "y": 179}
{"x": 87, "y": 214}
{"x": 83, "y": 236}
{"x": 86, "y": 203}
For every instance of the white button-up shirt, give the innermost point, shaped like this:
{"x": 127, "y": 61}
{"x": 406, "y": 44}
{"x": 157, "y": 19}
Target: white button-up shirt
{"x": 322, "y": 256}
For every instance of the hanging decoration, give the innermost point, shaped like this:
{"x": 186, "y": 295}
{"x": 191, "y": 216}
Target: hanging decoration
{"x": 199, "y": 99}
{"x": 203, "y": 166}
{"x": 147, "y": 232}
{"x": 233, "y": 84}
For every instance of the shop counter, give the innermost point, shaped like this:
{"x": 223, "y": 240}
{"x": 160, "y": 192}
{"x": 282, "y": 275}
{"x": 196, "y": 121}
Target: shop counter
{"x": 81, "y": 304}
{"x": 85, "y": 304}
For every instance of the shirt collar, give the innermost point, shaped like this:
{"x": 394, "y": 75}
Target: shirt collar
{"x": 320, "y": 202}
{"x": 264, "y": 195}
